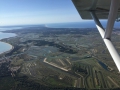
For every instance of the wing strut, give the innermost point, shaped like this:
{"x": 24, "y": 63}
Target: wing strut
{"x": 111, "y": 18}
{"x": 106, "y": 35}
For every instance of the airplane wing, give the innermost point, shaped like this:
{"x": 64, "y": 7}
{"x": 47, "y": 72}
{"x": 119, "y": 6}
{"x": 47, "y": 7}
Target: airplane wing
{"x": 102, "y": 9}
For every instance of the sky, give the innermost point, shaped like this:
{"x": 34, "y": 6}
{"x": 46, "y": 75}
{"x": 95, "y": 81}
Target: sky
{"x": 24, "y": 12}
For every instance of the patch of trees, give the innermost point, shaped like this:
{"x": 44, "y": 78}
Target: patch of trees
{"x": 15, "y": 49}
{"x": 4, "y": 71}
{"x": 79, "y": 68}
{"x": 25, "y": 84}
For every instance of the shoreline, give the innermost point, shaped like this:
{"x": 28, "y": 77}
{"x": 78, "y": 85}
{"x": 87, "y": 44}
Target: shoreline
{"x": 12, "y": 47}
{"x": 7, "y": 50}
{"x": 6, "y": 37}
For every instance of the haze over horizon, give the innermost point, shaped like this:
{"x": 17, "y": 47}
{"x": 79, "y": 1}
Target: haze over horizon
{"x": 21, "y": 12}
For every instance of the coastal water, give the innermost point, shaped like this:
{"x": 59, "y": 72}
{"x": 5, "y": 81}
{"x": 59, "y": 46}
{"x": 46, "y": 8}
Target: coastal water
{"x": 6, "y": 35}
{"x": 5, "y": 46}
{"x": 83, "y": 24}
{"x": 4, "y": 28}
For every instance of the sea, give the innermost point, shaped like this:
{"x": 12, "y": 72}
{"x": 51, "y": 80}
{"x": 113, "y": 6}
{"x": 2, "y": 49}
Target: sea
{"x": 4, "y": 47}
{"x": 84, "y": 24}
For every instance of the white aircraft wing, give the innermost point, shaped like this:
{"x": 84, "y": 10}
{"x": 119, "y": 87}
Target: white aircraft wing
{"x": 101, "y": 7}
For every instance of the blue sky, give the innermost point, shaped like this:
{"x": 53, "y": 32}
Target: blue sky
{"x": 20, "y": 12}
